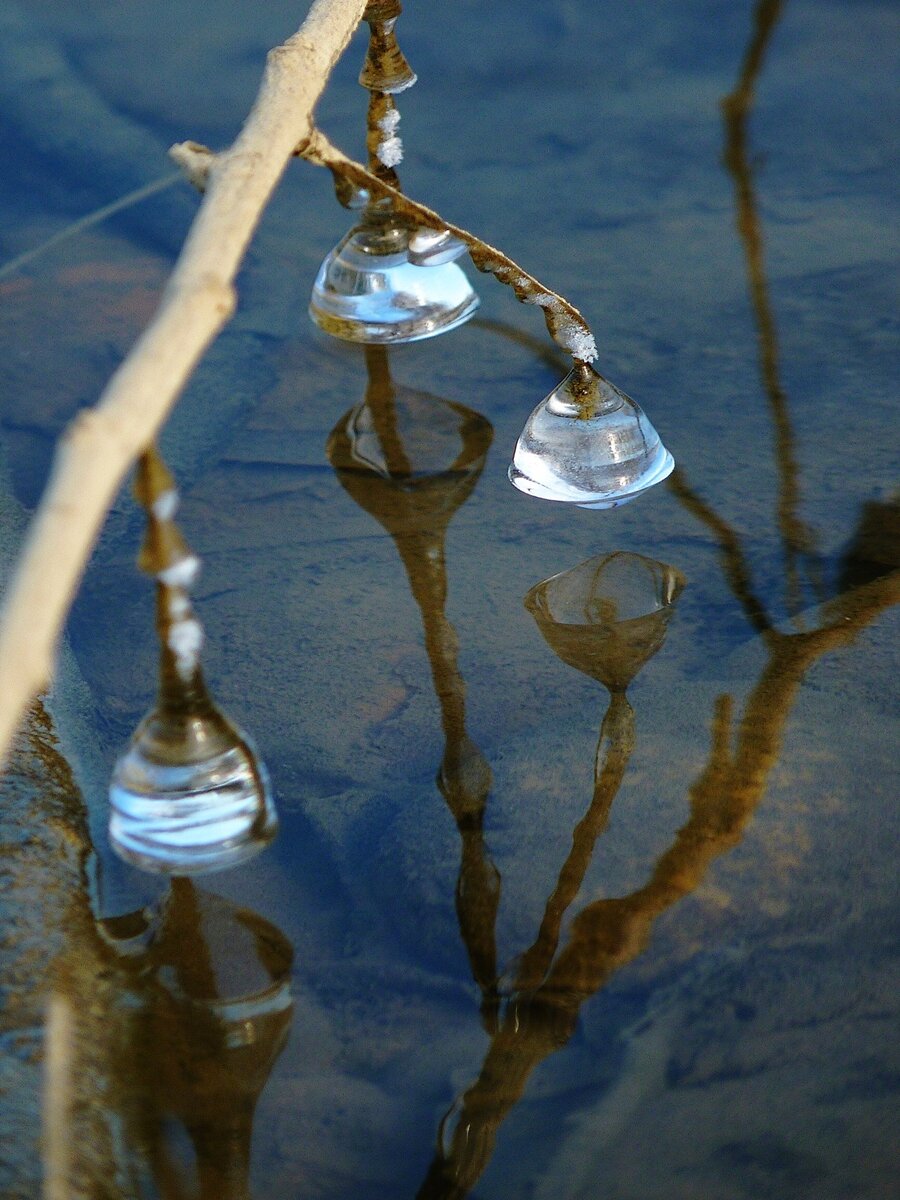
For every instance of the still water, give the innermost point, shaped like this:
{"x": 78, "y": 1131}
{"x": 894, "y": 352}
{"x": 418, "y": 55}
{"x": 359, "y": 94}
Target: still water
{"x": 585, "y": 884}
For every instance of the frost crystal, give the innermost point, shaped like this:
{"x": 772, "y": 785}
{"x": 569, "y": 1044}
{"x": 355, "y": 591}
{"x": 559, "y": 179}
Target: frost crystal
{"x": 577, "y": 339}
{"x": 390, "y": 152}
{"x": 185, "y": 641}
{"x": 389, "y": 122}
{"x": 165, "y": 506}
{"x": 182, "y": 573}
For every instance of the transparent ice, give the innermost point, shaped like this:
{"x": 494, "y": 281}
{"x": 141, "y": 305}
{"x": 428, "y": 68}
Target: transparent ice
{"x": 368, "y": 289}
{"x": 589, "y": 444}
{"x": 189, "y": 795}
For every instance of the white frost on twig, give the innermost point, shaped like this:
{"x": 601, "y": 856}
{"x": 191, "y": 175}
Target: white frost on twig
{"x": 182, "y": 573}
{"x": 185, "y": 640}
{"x": 577, "y": 339}
{"x": 390, "y": 152}
{"x": 389, "y": 122}
{"x": 390, "y": 148}
{"x": 165, "y": 506}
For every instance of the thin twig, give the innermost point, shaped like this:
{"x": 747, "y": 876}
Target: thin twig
{"x": 566, "y": 325}
{"x": 88, "y": 221}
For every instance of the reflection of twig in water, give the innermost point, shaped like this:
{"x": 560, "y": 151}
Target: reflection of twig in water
{"x": 734, "y": 561}
{"x": 415, "y": 507}
{"x": 136, "y": 1033}
{"x": 797, "y": 537}
{"x": 614, "y": 750}
{"x": 609, "y": 934}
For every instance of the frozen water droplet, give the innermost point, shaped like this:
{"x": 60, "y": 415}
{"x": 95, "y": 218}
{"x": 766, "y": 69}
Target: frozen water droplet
{"x": 432, "y": 247}
{"x": 368, "y": 290}
{"x": 189, "y": 795}
{"x": 589, "y": 444}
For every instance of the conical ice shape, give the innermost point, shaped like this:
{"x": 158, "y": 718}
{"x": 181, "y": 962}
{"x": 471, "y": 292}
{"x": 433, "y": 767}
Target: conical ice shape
{"x": 368, "y": 290}
{"x": 189, "y": 795}
{"x": 589, "y": 444}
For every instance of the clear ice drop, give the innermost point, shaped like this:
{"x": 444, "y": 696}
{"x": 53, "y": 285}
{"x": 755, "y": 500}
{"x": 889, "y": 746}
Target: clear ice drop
{"x": 589, "y": 444}
{"x": 189, "y": 795}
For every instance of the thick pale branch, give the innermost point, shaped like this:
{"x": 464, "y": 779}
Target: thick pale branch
{"x": 566, "y": 325}
{"x": 102, "y": 444}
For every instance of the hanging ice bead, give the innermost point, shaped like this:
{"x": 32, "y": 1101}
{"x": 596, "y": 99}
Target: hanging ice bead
{"x": 589, "y": 444}
{"x": 369, "y": 290}
{"x": 433, "y": 247}
{"x": 189, "y": 794}
{"x": 372, "y": 287}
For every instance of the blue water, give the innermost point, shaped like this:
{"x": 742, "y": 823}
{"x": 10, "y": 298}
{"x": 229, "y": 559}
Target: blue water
{"x": 740, "y": 1038}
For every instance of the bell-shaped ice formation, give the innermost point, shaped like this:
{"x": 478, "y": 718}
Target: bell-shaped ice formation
{"x": 368, "y": 289}
{"x": 589, "y": 444}
{"x": 189, "y": 795}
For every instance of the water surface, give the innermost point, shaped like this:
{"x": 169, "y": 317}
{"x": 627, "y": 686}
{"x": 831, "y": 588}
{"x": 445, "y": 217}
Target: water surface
{"x": 486, "y": 956}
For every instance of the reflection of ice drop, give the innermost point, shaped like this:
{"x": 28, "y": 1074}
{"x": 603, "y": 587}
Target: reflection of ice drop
{"x": 607, "y": 616}
{"x": 411, "y": 460}
{"x": 214, "y": 1003}
{"x": 587, "y": 443}
{"x": 189, "y": 794}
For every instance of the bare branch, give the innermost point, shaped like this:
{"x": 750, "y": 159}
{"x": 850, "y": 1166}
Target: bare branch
{"x": 102, "y": 444}
{"x": 566, "y": 325}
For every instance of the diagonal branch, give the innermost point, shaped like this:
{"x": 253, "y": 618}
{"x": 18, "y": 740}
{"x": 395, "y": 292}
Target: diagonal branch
{"x": 566, "y": 325}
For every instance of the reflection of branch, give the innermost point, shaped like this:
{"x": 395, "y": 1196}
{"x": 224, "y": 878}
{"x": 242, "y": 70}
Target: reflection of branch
{"x": 415, "y": 508}
{"x": 797, "y": 537}
{"x": 613, "y": 753}
{"x": 734, "y": 561}
{"x": 609, "y": 934}
{"x": 549, "y": 355}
